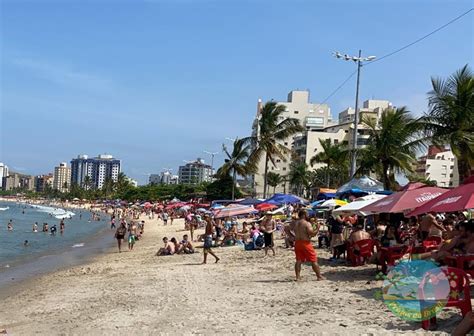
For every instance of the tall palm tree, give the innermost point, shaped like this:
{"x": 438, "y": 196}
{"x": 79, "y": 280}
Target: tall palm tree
{"x": 392, "y": 144}
{"x": 122, "y": 184}
{"x": 298, "y": 176}
{"x": 274, "y": 180}
{"x": 273, "y": 128}
{"x": 450, "y": 119}
{"x": 87, "y": 184}
{"x": 332, "y": 155}
{"x": 236, "y": 163}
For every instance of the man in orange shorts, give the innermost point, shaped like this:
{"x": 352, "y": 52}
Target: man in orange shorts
{"x": 304, "y": 249}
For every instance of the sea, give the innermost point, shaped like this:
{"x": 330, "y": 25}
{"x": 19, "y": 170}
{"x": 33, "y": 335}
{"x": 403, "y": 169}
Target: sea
{"x": 82, "y": 238}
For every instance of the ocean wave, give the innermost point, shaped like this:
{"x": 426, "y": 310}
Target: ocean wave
{"x": 56, "y": 212}
{"x": 4, "y": 209}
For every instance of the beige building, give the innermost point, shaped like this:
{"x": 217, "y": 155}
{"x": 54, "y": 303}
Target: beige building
{"x": 19, "y": 181}
{"x": 62, "y": 177}
{"x": 308, "y": 145}
{"x": 311, "y": 116}
{"x": 439, "y": 165}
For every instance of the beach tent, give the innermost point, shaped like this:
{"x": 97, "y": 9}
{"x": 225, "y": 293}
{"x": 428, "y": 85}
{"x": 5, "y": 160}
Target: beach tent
{"x": 362, "y": 184}
{"x": 234, "y": 210}
{"x": 404, "y": 201}
{"x": 355, "y": 206}
{"x": 457, "y": 199}
{"x": 279, "y": 199}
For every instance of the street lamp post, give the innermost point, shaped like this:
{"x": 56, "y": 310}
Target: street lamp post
{"x": 212, "y": 154}
{"x": 359, "y": 60}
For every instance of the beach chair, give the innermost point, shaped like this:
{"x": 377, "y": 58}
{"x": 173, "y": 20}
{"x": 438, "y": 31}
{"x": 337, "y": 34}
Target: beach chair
{"x": 431, "y": 243}
{"x": 364, "y": 251}
{"x": 459, "y": 292}
{"x": 462, "y": 262}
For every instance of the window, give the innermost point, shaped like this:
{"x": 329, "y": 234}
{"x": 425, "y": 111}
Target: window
{"x": 336, "y": 141}
{"x": 362, "y": 141}
{"x": 296, "y": 112}
{"x": 286, "y": 143}
{"x": 284, "y": 168}
{"x": 314, "y": 121}
{"x": 278, "y": 160}
{"x": 443, "y": 175}
{"x": 451, "y": 167}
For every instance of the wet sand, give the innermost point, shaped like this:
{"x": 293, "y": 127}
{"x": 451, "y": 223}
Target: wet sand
{"x": 137, "y": 293}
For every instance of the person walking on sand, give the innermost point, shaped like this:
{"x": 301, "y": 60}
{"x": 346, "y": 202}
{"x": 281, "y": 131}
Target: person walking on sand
{"x": 304, "y": 249}
{"x": 268, "y": 227}
{"x": 132, "y": 235}
{"x": 208, "y": 240}
{"x": 120, "y": 235}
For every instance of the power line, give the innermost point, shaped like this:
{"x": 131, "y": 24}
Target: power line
{"x": 421, "y": 38}
{"x": 339, "y": 87}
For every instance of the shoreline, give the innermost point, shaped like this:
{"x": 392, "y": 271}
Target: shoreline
{"x": 27, "y": 268}
{"x": 245, "y": 293}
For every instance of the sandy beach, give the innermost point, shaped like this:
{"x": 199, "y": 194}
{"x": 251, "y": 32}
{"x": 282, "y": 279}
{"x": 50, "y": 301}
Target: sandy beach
{"x": 137, "y": 293}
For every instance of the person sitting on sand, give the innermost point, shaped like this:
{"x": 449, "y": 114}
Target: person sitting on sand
{"x": 188, "y": 247}
{"x": 230, "y": 235}
{"x": 178, "y": 248}
{"x": 244, "y": 234}
{"x": 167, "y": 249}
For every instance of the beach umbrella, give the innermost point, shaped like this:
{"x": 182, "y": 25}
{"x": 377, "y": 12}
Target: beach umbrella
{"x": 201, "y": 210}
{"x": 331, "y": 203}
{"x": 217, "y": 206}
{"x": 175, "y": 200}
{"x": 185, "y": 208}
{"x": 316, "y": 203}
{"x": 356, "y": 206}
{"x": 250, "y": 201}
{"x": 279, "y": 199}
{"x": 265, "y": 206}
{"x": 457, "y": 199}
{"x": 234, "y": 210}
{"x": 404, "y": 201}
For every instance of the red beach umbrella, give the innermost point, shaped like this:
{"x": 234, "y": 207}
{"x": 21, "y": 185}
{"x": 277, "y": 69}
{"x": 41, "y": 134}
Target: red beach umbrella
{"x": 404, "y": 201}
{"x": 265, "y": 206}
{"x": 457, "y": 199}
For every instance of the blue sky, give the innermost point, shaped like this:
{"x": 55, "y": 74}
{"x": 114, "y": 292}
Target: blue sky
{"x": 157, "y": 82}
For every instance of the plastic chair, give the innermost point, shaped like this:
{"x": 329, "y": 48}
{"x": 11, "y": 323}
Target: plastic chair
{"x": 459, "y": 292}
{"x": 461, "y": 262}
{"x": 394, "y": 253}
{"x": 365, "y": 251}
{"x": 431, "y": 243}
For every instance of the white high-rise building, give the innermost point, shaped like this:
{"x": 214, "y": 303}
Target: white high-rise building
{"x": 62, "y": 177}
{"x": 3, "y": 173}
{"x": 96, "y": 170}
{"x": 439, "y": 165}
{"x": 195, "y": 172}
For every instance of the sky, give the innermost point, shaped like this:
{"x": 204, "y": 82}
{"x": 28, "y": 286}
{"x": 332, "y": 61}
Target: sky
{"x": 156, "y": 82}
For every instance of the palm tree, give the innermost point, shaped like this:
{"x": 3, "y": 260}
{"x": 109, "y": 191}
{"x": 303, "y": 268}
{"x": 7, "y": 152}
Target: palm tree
{"x": 298, "y": 176}
{"x": 272, "y": 129}
{"x": 332, "y": 155}
{"x": 108, "y": 187}
{"x": 87, "y": 184}
{"x": 236, "y": 163}
{"x": 392, "y": 144}
{"x": 122, "y": 184}
{"x": 274, "y": 180}
{"x": 450, "y": 119}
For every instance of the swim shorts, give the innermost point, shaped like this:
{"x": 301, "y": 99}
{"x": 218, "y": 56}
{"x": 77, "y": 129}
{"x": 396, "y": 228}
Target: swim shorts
{"x": 131, "y": 239}
{"x": 304, "y": 251}
{"x": 208, "y": 242}
{"x": 268, "y": 238}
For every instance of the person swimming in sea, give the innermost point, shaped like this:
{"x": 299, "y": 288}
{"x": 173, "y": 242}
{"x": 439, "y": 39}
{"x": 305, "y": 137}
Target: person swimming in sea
{"x": 35, "y": 227}
{"x": 26, "y": 243}
{"x": 10, "y": 225}
{"x": 53, "y": 230}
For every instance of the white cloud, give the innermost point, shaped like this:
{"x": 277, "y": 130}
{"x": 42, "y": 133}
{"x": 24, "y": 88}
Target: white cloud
{"x": 64, "y": 75}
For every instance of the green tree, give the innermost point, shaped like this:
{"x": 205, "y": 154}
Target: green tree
{"x": 450, "y": 119}
{"x": 122, "y": 184}
{"x": 392, "y": 144}
{"x": 273, "y": 128}
{"x": 298, "y": 177}
{"x": 332, "y": 155}
{"x": 274, "y": 180}
{"x": 222, "y": 188}
{"x": 236, "y": 163}
{"x": 108, "y": 187}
